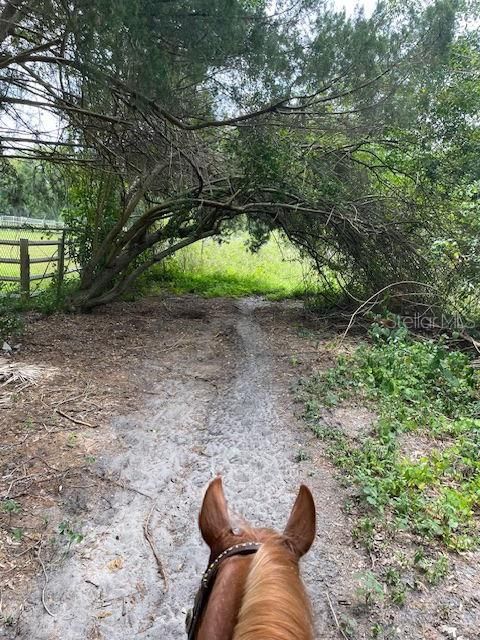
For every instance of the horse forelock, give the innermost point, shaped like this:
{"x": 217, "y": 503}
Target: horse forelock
{"x": 275, "y": 605}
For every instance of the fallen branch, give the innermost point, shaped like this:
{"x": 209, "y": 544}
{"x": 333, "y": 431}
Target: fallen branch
{"x": 75, "y": 420}
{"x": 45, "y": 575}
{"x": 364, "y": 304}
{"x": 117, "y": 483}
{"x": 372, "y": 301}
{"x": 344, "y": 635}
{"x": 148, "y": 536}
{"x": 472, "y": 341}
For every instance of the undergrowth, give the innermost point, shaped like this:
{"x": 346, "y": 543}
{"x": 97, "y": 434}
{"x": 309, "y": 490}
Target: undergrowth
{"x": 47, "y": 300}
{"x": 416, "y": 386}
{"x": 11, "y": 324}
{"x": 427, "y": 394}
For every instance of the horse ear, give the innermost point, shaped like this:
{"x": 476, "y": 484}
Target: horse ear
{"x": 213, "y": 519}
{"x": 300, "y": 529}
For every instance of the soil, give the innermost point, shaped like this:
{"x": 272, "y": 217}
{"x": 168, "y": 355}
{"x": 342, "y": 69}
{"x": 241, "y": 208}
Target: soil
{"x": 143, "y": 404}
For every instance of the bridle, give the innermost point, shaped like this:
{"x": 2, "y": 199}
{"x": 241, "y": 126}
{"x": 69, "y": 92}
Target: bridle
{"x": 208, "y": 579}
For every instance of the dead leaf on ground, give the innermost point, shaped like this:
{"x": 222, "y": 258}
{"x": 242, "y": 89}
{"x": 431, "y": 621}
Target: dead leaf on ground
{"x": 104, "y": 614}
{"x": 116, "y": 564}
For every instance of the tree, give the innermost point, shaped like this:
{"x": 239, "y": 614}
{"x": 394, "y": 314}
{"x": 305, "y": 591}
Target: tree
{"x": 31, "y": 189}
{"x": 238, "y": 113}
{"x": 449, "y": 152}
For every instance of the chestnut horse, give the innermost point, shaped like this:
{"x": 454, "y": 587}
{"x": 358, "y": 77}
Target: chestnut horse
{"x": 252, "y": 588}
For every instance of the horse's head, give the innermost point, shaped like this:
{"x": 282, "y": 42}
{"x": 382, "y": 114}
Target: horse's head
{"x": 219, "y": 532}
{"x": 234, "y": 560}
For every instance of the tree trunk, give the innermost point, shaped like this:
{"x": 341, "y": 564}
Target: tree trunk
{"x": 116, "y": 279}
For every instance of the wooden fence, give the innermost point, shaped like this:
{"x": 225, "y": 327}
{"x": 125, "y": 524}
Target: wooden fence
{"x": 25, "y": 260}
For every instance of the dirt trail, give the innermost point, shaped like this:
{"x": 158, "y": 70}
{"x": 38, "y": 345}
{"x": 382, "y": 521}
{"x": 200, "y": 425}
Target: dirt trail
{"x": 198, "y": 387}
{"x": 218, "y": 410}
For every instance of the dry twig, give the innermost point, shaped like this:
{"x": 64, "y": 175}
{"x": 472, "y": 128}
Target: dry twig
{"x": 117, "y": 483}
{"x": 75, "y": 420}
{"x": 148, "y": 536}
{"x": 334, "y": 615}
{"x": 45, "y": 575}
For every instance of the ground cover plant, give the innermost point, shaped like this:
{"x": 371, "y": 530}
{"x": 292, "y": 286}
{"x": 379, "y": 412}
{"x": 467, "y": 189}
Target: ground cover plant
{"x": 11, "y": 323}
{"x": 417, "y": 469}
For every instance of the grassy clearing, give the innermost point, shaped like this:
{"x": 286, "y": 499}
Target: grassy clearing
{"x": 230, "y": 269}
{"x": 422, "y": 392}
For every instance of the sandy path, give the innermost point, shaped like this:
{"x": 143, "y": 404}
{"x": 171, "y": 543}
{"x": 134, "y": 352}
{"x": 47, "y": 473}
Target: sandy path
{"x": 238, "y": 423}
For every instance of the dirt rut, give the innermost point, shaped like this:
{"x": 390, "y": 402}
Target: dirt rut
{"x": 237, "y": 422}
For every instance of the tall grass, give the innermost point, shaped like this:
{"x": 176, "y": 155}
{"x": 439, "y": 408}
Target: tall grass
{"x": 231, "y": 269}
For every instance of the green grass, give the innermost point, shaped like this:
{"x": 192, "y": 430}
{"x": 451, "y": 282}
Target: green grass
{"x": 207, "y": 268}
{"x": 230, "y": 269}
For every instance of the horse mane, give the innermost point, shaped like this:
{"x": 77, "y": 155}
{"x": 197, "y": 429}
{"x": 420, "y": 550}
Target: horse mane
{"x": 274, "y": 605}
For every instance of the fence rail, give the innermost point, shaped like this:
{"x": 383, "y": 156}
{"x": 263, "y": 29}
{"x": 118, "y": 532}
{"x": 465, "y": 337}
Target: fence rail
{"x": 32, "y": 260}
{"x": 37, "y": 223}
{"x": 33, "y": 243}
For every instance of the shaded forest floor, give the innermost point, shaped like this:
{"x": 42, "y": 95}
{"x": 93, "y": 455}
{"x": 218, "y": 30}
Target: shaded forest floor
{"x": 137, "y": 407}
